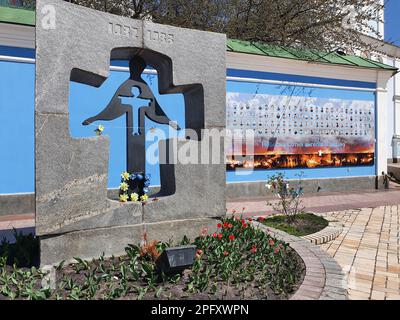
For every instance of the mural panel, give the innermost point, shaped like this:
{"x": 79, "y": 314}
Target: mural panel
{"x": 300, "y": 128}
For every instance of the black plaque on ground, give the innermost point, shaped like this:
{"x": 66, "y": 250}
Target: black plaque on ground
{"x": 176, "y": 259}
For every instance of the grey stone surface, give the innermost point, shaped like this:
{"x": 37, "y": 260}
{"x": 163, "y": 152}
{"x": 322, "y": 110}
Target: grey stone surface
{"x": 394, "y": 169}
{"x": 194, "y": 50}
{"x": 73, "y": 214}
{"x": 197, "y": 193}
{"x": 114, "y": 214}
{"x": 17, "y": 203}
{"x": 87, "y": 244}
{"x": 71, "y": 174}
{"x": 192, "y": 228}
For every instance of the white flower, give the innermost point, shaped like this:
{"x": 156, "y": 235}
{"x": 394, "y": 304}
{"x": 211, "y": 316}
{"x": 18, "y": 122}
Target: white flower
{"x": 268, "y": 186}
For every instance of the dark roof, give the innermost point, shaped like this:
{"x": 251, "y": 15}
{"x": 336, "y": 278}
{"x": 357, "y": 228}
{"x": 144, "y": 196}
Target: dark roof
{"x": 304, "y": 55}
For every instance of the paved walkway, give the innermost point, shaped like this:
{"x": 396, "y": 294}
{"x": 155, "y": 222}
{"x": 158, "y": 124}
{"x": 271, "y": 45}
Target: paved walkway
{"x": 324, "y": 202}
{"x": 368, "y": 251}
{"x": 24, "y": 223}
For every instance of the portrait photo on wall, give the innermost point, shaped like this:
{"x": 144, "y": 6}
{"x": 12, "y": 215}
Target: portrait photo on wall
{"x": 293, "y": 130}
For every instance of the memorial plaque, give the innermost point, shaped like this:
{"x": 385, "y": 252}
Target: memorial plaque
{"x": 74, "y": 216}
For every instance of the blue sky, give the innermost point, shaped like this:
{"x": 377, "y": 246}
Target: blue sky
{"x": 392, "y": 26}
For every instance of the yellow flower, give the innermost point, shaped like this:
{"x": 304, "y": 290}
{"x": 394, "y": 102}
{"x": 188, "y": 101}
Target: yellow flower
{"x": 125, "y": 175}
{"x": 124, "y": 186}
{"x": 123, "y": 197}
{"x": 134, "y": 197}
{"x": 99, "y": 130}
{"x": 144, "y": 198}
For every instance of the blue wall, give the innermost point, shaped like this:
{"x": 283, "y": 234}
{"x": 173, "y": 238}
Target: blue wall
{"x": 17, "y": 125}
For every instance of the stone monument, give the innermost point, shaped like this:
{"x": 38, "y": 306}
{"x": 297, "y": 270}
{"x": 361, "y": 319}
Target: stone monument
{"x": 74, "y": 216}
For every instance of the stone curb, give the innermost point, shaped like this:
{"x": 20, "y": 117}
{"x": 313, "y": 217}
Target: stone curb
{"x": 324, "y": 278}
{"x": 329, "y": 233}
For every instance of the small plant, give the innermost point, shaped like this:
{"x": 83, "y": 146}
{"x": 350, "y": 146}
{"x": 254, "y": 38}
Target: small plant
{"x": 150, "y": 250}
{"x": 289, "y": 203}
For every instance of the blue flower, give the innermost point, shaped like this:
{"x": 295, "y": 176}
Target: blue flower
{"x": 147, "y": 177}
{"x": 133, "y": 176}
{"x": 147, "y": 183}
{"x": 146, "y": 190}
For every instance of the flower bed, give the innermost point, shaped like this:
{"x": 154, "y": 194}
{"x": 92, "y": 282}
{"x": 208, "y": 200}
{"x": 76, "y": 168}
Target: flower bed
{"x": 303, "y": 225}
{"x": 238, "y": 261}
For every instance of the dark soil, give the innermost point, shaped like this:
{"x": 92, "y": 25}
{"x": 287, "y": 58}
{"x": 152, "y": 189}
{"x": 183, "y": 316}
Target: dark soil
{"x": 178, "y": 290}
{"x": 303, "y": 225}
{"x": 240, "y": 262}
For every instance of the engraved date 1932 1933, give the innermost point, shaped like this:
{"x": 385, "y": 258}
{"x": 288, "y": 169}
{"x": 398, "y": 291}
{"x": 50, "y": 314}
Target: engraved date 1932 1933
{"x": 133, "y": 32}
{"x": 123, "y": 30}
{"x": 161, "y": 37}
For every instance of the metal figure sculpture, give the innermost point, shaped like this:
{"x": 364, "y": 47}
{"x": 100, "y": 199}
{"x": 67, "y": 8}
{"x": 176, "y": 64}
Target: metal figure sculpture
{"x": 136, "y": 154}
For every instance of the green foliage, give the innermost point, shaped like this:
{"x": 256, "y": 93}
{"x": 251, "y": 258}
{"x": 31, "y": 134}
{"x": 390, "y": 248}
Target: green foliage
{"x": 238, "y": 256}
{"x": 305, "y": 224}
{"x": 24, "y": 252}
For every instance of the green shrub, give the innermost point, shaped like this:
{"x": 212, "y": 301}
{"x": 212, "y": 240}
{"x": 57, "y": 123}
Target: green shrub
{"x": 24, "y": 252}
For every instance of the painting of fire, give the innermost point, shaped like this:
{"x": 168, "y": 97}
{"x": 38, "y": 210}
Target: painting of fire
{"x": 299, "y": 132}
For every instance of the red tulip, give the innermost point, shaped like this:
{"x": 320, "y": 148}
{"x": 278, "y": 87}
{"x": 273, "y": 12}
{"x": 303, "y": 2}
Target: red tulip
{"x": 254, "y": 249}
{"x": 231, "y": 237}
